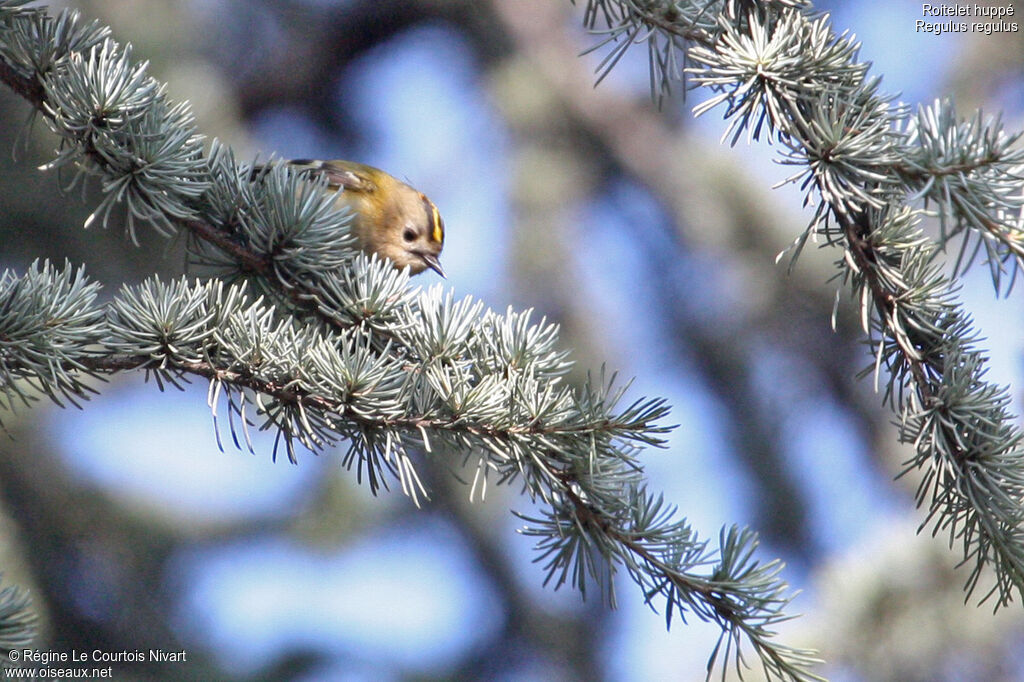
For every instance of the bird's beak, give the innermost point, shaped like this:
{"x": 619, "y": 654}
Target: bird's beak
{"x": 433, "y": 263}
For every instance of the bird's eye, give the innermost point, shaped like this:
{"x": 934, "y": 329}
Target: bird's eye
{"x": 409, "y": 235}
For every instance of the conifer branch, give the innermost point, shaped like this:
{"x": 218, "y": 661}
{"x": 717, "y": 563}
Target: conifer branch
{"x": 784, "y": 73}
{"x": 304, "y": 336}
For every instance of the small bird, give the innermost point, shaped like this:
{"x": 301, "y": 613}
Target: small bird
{"x": 389, "y": 217}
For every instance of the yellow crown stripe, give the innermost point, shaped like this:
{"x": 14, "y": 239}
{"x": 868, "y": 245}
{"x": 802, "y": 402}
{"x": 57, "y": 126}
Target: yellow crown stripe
{"x": 435, "y": 220}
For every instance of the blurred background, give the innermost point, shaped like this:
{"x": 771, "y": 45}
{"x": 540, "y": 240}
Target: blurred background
{"x": 649, "y": 242}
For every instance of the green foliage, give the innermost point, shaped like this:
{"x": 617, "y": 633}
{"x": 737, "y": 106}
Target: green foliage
{"x": 870, "y": 168}
{"x": 17, "y": 621}
{"x": 867, "y": 167}
{"x": 48, "y": 322}
{"x": 969, "y": 169}
{"x": 299, "y": 334}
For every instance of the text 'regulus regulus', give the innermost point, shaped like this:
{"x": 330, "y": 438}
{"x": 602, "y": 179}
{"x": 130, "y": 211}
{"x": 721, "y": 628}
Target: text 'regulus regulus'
{"x": 389, "y": 218}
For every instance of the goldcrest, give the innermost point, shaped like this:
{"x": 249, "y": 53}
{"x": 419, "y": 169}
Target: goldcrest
{"x": 389, "y": 217}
